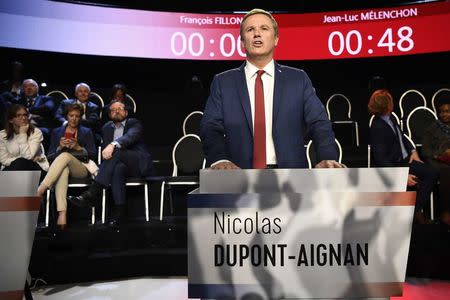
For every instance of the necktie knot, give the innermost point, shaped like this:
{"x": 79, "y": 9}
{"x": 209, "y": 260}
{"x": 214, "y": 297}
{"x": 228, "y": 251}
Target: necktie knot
{"x": 259, "y": 73}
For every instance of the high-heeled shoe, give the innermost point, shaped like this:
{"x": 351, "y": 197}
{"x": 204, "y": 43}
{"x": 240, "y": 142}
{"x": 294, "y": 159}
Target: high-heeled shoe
{"x": 61, "y": 226}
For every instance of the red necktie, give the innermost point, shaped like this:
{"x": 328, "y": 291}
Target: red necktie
{"x": 259, "y": 128}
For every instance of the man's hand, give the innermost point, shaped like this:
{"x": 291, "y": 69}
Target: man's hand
{"x": 415, "y": 157}
{"x": 108, "y": 152}
{"x": 329, "y": 164}
{"x": 225, "y": 165}
{"x": 412, "y": 180}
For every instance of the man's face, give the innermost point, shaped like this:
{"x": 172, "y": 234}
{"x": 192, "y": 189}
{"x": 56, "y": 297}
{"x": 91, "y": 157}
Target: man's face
{"x": 444, "y": 113}
{"x": 82, "y": 93}
{"x": 117, "y": 112}
{"x": 29, "y": 89}
{"x": 258, "y": 37}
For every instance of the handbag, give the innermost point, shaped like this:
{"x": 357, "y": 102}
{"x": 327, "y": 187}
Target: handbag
{"x": 81, "y": 155}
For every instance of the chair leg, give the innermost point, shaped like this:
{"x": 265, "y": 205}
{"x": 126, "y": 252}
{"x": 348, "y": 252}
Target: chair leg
{"x": 147, "y": 218}
{"x": 169, "y": 188}
{"x": 357, "y": 134}
{"x": 432, "y": 206}
{"x": 161, "y": 205}
{"x": 103, "y": 205}
{"x": 93, "y": 215}
{"x": 47, "y": 208}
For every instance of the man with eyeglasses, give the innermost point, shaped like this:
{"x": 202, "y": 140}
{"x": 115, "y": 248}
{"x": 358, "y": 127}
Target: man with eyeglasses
{"x": 124, "y": 155}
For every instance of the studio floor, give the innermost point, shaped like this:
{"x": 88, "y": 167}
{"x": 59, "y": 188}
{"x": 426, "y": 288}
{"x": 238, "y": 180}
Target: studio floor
{"x": 174, "y": 288}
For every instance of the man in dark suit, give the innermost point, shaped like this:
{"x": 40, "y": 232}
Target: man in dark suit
{"x": 390, "y": 148}
{"x": 91, "y": 116}
{"x": 257, "y": 115}
{"x": 41, "y": 108}
{"x": 124, "y": 155}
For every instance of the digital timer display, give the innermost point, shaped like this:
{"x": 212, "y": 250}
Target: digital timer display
{"x": 82, "y": 29}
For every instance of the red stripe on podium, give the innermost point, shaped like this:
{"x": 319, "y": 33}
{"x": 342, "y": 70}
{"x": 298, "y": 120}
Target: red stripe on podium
{"x": 387, "y": 199}
{"x": 20, "y": 203}
{"x": 11, "y": 295}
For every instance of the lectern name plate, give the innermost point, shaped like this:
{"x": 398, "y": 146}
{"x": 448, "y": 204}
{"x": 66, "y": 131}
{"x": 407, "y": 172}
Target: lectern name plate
{"x": 312, "y": 245}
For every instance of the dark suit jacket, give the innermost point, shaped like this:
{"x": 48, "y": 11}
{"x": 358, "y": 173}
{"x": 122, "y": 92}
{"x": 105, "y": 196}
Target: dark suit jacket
{"x": 85, "y": 139}
{"x": 227, "y": 132}
{"x": 92, "y": 114}
{"x": 435, "y": 142}
{"x": 132, "y": 139}
{"x": 385, "y": 144}
{"x": 44, "y": 108}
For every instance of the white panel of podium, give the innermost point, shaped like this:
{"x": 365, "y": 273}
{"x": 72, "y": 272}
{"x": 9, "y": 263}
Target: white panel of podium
{"x": 19, "y": 209}
{"x": 299, "y": 234}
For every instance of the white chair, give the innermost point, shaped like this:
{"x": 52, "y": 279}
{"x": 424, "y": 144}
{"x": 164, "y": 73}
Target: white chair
{"x": 408, "y": 101}
{"x": 58, "y": 94}
{"x": 73, "y": 183}
{"x": 436, "y": 96}
{"x": 191, "y": 124}
{"x": 311, "y": 155}
{"x": 417, "y": 122}
{"x": 188, "y": 159}
{"x": 133, "y": 102}
{"x": 97, "y": 99}
{"x": 339, "y": 110}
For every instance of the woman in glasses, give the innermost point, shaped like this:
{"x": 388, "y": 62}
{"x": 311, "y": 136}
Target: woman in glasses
{"x": 21, "y": 143}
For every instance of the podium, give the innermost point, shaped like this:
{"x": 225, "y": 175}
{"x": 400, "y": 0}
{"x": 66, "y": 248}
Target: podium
{"x": 19, "y": 209}
{"x": 299, "y": 233}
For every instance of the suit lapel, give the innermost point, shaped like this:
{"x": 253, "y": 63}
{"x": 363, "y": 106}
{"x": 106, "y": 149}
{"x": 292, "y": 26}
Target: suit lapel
{"x": 109, "y": 133}
{"x": 241, "y": 83}
{"x": 277, "y": 92}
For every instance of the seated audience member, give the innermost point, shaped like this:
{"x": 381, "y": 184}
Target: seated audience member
{"x": 2, "y": 112}
{"x": 124, "y": 155}
{"x": 21, "y": 143}
{"x": 10, "y": 88}
{"x": 118, "y": 93}
{"x": 91, "y": 115}
{"x": 41, "y": 108}
{"x": 71, "y": 148}
{"x": 391, "y": 149}
{"x": 436, "y": 151}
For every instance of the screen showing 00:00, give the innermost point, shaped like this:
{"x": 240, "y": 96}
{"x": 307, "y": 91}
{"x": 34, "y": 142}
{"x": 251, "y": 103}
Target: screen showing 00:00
{"x": 83, "y": 29}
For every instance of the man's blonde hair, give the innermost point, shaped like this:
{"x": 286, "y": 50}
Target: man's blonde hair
{"x": 257, "y": 11}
